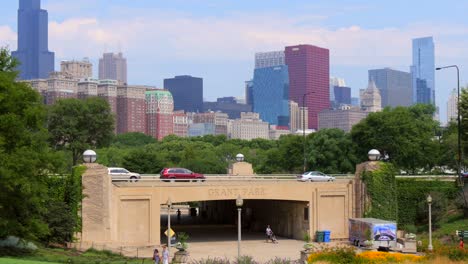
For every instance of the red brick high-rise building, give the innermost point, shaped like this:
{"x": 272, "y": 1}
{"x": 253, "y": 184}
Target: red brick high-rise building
{"x": 131, "y": 109}
{"x": 309, "y": 73}
{"x": 159, "y": 113}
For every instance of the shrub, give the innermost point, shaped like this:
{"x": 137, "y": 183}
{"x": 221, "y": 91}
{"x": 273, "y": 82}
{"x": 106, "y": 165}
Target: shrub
{"x": 279, "y": 260}
{"x": 211, "y": 261}
{"x": 246, "y": 260}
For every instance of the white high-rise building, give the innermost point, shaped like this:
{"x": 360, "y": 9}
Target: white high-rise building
{"x": 452, "y": 111}
{"x": 371, "y": 101}
{"x": 249, "y": 126}
{"x": 269, "y": 59}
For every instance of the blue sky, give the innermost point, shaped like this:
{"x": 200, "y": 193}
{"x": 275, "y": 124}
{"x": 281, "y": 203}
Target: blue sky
{"x": 217, "y": 39}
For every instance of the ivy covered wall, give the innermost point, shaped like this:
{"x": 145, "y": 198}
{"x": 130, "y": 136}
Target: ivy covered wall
{"x": 381, "y": 197}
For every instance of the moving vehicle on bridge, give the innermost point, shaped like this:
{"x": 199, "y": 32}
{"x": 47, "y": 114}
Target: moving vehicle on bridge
{"x": 118, "y": 174}
{"x": 180, "y": 174}
{"x": 315, "y": 176}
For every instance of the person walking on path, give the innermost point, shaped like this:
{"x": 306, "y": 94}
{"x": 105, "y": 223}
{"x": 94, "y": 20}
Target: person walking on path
{"x": 462, "y": 244}
{"x": 156, "y": 256}
{"x": 165, "y": 255}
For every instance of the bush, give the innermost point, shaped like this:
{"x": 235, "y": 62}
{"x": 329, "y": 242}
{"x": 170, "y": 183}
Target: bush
{"x": 279, "y": 260}
{"x": 245, "y": 260}
{"x": 212, "y": 261}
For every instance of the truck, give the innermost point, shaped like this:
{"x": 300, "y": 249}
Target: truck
{"x": 381, "y": 234}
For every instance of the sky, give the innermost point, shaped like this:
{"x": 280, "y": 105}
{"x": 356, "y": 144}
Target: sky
{"x": 217, "y": 39}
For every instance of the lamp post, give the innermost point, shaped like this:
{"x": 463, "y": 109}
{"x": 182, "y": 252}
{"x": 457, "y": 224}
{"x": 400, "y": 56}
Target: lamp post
{"x": 239, "y": 203}
{"x": 458, "y": 120}
{"x": 89, "y": 156}
{"x": 373, "y": 155}
{"x": 429, "y": 202}
{"x": 169, "y": 205}
{"x": 303, "y": 129}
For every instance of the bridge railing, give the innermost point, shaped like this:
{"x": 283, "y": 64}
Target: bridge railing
{"x": 213, "y": 179}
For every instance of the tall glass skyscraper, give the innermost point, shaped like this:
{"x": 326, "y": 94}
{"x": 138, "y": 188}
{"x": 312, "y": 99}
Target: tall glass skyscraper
{"x": 423, "y": 70}
{"x": 33, "y": 52}
{"x": 187, "y": 92}
{"x": 271, "y": 94}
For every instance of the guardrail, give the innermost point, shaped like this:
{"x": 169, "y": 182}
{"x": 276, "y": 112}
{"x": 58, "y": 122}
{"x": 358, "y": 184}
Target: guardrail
{"x": 154, "y": 179}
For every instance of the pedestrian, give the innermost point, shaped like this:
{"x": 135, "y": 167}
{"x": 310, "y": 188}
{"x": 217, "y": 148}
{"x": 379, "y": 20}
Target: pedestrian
{"x": 268, "y": 232}
{"x": 178, "y": 215}
{"x": 156, "y": 256}
{"x": 165, "y": 255}
{"x": 462, "y": 244}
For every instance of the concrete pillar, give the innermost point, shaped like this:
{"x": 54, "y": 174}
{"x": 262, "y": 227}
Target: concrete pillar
{"x": 96, "y": 218}
{"x": 360, "y": 191}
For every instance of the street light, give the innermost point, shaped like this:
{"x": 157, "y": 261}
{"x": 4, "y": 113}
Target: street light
{"x": 89, "y": 156}
{"x": 303, "y": 128}
{"x": 429, "y": 202}
{"x": 458, "y": 120}
{"x": 169, "y": 204}
{"x": 239, "y": 203}
{"x": 373, "y": 154}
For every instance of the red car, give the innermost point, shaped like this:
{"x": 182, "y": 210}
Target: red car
{"x": 180, "y": 174}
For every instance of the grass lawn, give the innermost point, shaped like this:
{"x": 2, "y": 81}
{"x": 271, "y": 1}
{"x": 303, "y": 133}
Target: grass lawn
{"x": 21, "y": 261}
{"x": 56, "y": 256}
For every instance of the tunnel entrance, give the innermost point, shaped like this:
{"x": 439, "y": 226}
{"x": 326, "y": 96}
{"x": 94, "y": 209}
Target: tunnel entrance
{"x": 217, "y": 220}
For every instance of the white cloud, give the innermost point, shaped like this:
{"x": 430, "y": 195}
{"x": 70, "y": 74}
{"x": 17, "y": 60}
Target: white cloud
{"x": 7, "y": 37}
{"x": 163, "y": 34}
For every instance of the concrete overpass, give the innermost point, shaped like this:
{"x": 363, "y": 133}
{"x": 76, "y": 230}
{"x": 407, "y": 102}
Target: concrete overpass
{"x": 129, "y": 214}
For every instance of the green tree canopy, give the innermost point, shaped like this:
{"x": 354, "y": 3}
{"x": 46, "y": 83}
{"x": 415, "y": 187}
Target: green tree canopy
{"x": 24, "y": 155}
{"x": 331, "y": 151}
{"x": 406, "y": 134}
{"x": 76, "y": 125}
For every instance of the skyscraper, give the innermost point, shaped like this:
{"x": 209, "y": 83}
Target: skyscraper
{"x": 271, "y": 94}
{"x": 159, "y": 113}
{"x": 113, "y": 66}
{"x": 395, "y": 86}
{"x": 422, "y": 71}
{"x": 269, "y": 59}
{"x": 371, "y": 101}
{"x": 187, "y": 92}
{"x": 309, "y": 73}
{"x": 36, "y": 61}
{"x": 452, "y": 103}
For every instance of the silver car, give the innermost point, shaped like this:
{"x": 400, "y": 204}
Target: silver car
{"x": 315, "y": 176}
{"x": 119, "y": 174}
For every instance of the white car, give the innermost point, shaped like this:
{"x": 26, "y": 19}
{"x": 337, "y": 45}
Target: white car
{"x": 315, "y": 176}
{"x": 123, "y": 174}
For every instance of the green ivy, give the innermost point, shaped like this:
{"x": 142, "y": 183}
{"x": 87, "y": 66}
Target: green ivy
{"x": 413, "y": 192}
{"x": 382, "y": 190}
{"x": 73, "y": 193}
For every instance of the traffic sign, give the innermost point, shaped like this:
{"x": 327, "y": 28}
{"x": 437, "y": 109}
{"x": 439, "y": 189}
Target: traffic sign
{"x": 171, "y": 232}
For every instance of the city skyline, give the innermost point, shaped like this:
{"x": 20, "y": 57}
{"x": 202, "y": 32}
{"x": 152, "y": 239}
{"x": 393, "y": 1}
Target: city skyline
{"x": 218, "y": 43}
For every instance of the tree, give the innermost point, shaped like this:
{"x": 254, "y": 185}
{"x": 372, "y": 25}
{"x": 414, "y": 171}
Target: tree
{"x": 464, "y": 123}
{"x": 331, "y": 151}
{"x": 406, "y": 134}
{"x": 76, "y": 125}
{"x": 133, "y": 139}
{"x": 24, "y": 155}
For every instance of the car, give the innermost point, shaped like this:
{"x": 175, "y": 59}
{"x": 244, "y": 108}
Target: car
{"x": 464, "y": 174}
{"x": 182, "y": 174}
{"x": 123, "y": 174}
{"x": 315, "y": 176}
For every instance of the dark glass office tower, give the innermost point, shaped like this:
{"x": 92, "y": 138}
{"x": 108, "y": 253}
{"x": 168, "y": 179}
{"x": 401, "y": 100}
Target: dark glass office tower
{"x": 187, "y": 92}
{"x": 33, "y": 52}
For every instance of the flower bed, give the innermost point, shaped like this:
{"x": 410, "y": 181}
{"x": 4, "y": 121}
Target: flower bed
{"x": 348, "y": 255}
